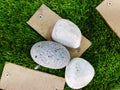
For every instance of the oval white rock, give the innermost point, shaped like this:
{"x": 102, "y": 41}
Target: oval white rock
{"x": 67, "y": 33}
{"x": 50, "y": 54}
{"x": 79, "y": 73}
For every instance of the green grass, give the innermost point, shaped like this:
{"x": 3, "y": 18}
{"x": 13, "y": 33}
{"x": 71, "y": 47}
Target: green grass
{"x": 17, "y": 38}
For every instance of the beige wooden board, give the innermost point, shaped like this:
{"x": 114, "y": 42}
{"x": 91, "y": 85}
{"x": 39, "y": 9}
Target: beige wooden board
{"x": 110, "y": 10}
{"x": 43, "y": 22}
{"x": 15, "y": 77}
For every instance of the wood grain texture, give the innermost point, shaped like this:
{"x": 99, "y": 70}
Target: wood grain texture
{"x": 15, "y": 77}
{"x": 110, "y": 11}
{"x": 43, "y": 22}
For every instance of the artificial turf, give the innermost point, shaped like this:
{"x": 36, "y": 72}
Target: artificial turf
{"x": 17, "y": 38}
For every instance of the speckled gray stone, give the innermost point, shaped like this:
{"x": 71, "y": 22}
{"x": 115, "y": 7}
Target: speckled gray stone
{"x": 79, "y": 73}
{"x": 67, "y": 33}
{"x": 50, "y": 54}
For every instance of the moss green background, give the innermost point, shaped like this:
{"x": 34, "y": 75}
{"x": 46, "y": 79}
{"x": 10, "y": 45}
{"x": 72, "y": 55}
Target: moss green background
{"x": 17, "y": 38}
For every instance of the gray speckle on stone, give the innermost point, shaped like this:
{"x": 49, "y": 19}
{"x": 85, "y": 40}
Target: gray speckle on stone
{"x": 50, "y": 54}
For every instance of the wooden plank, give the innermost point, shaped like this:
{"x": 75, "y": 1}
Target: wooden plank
{"x": 43, "y": 22}
{"x": 15, "y": 77}
{"x": 110, "y": 11}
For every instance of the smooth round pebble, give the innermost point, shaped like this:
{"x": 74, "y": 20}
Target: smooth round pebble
{"x": 67, "y": 33}
{"x": 50, "y": 54}
{"x": 79, "y": 73}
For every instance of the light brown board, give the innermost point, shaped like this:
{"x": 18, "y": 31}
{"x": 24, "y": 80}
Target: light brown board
{"x": 15, "y": 77}
{"x": 110, "y": 10}
{"x": 43, "y": 22}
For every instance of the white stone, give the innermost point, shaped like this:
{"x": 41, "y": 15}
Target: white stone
{"x": 79, "y": 73}
{"x": 67, "y": 33}
{"x": 50, "y": 54}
